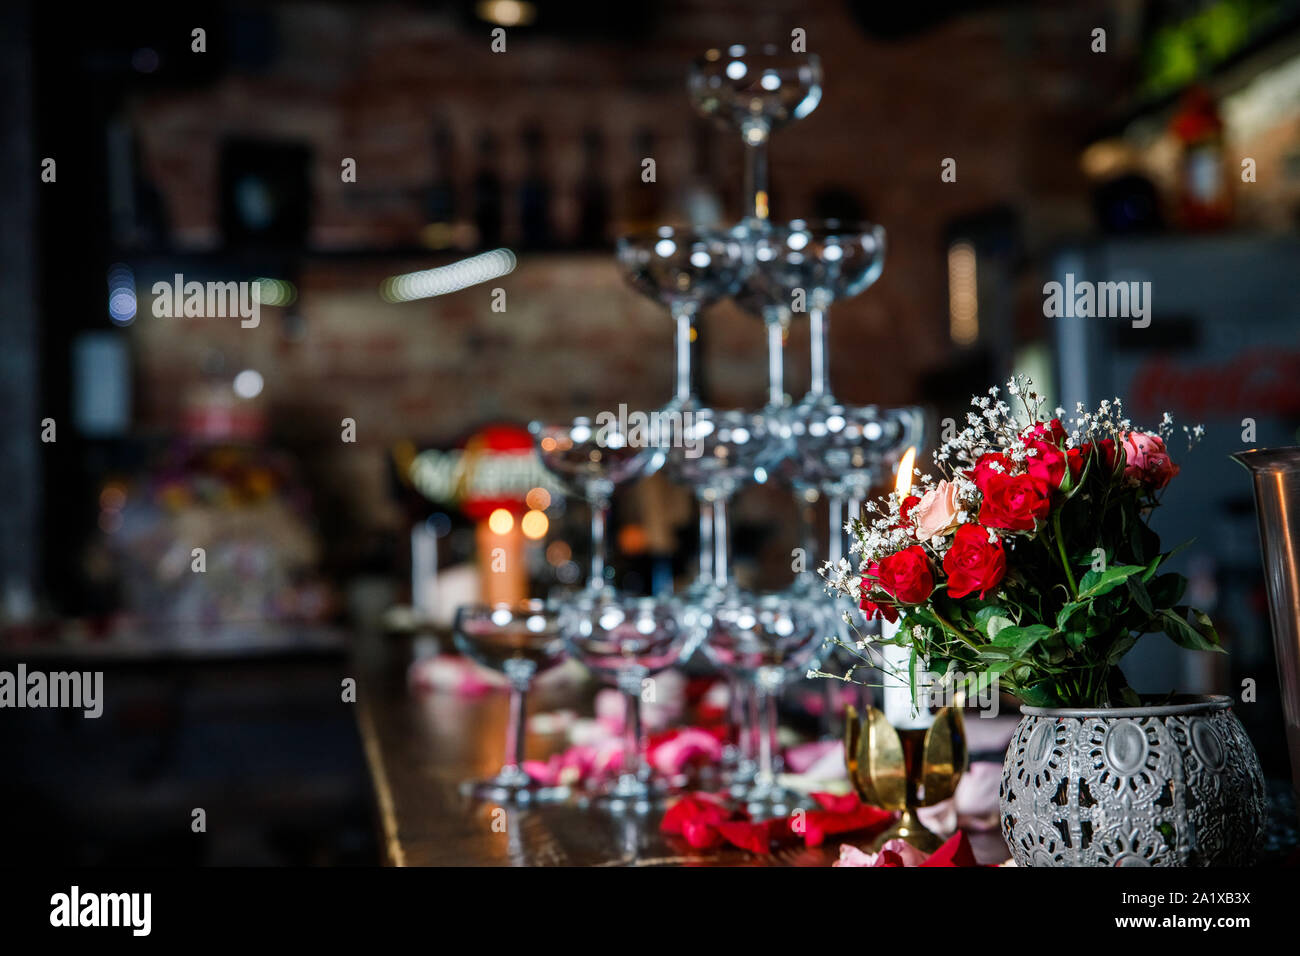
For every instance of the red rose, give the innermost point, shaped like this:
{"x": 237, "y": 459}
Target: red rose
{"x": 1076, "y": 458}
{"x": 989, "y": 464}
{"x": 1047, "y": 464}
{"x": 870, "y": 607}
{"x": 1052, "y": 431}
{"x": 1158, "y": 469}
{"x": 906, "y": 575}
{"x": 1015, "y": 502}
{"x": 1107, "y": 446}
{"x": 905, "y": 509}
{"x": 973, "y": 563}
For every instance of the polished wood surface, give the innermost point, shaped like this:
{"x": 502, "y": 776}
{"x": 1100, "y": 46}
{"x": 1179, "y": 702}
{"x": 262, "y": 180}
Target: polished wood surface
{"x": 420, "y": 745}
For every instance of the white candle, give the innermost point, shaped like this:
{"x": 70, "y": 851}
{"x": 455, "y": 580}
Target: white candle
{"x": 424, "y": 570}
{"x": 898, "y": 690}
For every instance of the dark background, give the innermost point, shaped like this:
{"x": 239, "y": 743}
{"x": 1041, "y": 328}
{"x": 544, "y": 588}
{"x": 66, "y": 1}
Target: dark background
{"x": 225, "y": 165}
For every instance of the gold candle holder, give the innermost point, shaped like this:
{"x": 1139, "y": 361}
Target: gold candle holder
{"x": 905, "y": 769}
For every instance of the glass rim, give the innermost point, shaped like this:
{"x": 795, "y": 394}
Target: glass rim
{"x": 526, "y": 605}
{"x": 765, "y": 48}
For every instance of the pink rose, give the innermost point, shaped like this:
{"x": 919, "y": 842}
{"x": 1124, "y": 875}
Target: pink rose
{"x": 936, "y": 513}
{"x": 1146, "y": 460}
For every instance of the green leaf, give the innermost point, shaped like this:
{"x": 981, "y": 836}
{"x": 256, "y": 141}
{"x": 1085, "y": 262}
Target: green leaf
{"x": 1121, "y": 647}
{"x": 1097, "y": 583}
{"x": 1184, "y": 635}
{"x": 1065, "y": 616}
{"x": 1072, "y": 488}
{"x": 1139, "y": 538}
{"x": 1167, "y": 589}
{"x": 1160, "y": 559}
{"x": 911, "y": 672}
{"x": 986, "y": 677}
{"x": 1140, "y": 596}
{"x": 1207, "y": 628}
{"x": 984, "y": 614}
{"x": 1022, "y": 639}
{"x": 997, "y": 625}
{"x": 1037, "y": 695}
{"x": 1074, "y": 639}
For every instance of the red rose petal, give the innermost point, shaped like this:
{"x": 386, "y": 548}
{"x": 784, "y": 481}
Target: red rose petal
{"x": 819, "y": 824}
{"x": 754, "y": 837}
{"x": 693, "y": 808}
{"x": 955, "y": 852}
{"x": 837, "y": 803}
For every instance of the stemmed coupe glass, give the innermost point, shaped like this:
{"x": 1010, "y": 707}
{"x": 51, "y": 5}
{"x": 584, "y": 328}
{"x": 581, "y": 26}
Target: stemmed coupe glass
{"x": 626, "y": 640}
{"x": 725, "y": 447}
{"x": 716, "y": 460}
{"x": 763, "y": 640}
{"x": 685, "y": 270}
{"x": 807, "y": 266}
{"x": 755, "y": 89}
{"x": 843, "y": 452}
{"x": 590, "y": 460}
{"x": 520, "y": 641}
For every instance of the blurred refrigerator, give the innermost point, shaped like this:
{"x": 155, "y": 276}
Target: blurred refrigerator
{"x": 1222, "y": 349}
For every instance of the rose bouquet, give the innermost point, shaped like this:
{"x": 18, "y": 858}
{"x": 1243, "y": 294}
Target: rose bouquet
{"x": 1029, "y": 560}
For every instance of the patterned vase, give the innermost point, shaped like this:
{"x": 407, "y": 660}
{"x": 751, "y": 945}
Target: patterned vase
{"x": 1176, "y": 784}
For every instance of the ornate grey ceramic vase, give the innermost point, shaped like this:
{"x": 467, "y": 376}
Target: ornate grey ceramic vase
{"x": 1172, "y": 785}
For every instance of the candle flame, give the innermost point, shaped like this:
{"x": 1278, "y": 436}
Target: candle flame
{"x": 904, "y": 483}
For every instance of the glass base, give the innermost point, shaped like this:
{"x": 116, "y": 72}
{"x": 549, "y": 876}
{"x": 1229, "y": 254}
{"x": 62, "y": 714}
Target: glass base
{"x": 513, "y": 786}
{"x": 814, "y": 403}
{"x": 769, "y": 801}
{"x": 629, "y": 795}
{"x": 739, "y": 778}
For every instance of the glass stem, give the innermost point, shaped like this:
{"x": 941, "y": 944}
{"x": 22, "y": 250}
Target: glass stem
{"x": 721, "y": 544}
{"x": 706, "y": 541}
{"x": 807, "y": 527}
{"x": 599, "y": 518}
{"x": 819, "y": 348}
{"x": 684, "y": 390}
{"x": 752, "y": 729}
{"x": 516, "y": 729}
{"x": 775, "y": 364}
{"x": 736, "y": 711}
{"x": 755, "y": 135}
{"x": 835, "y": 543}
{"x": 767, "y": 742}
{"x": 634, "y": 762}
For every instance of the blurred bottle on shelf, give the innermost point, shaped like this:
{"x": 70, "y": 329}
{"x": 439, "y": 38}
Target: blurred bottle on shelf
{"x": 593, "y": 194}
{"x": 1204, "y": 199}
{"x": 534, "y": 193}
{"x": 642, "y": 200}
{"x": 440, "y": 202}
{"x": 487, "y": 193}
{"x": 698, "y": 203}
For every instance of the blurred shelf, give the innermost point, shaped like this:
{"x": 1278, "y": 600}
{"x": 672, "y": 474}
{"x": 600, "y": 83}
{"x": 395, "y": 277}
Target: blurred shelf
{"x": 161, "y": 642}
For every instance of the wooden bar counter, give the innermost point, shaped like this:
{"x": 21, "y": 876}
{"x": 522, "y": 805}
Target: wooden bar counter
{"x": 420, "y": 745}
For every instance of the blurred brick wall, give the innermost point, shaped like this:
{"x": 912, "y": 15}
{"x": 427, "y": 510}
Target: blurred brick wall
{"x": 1009, "y": 93}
